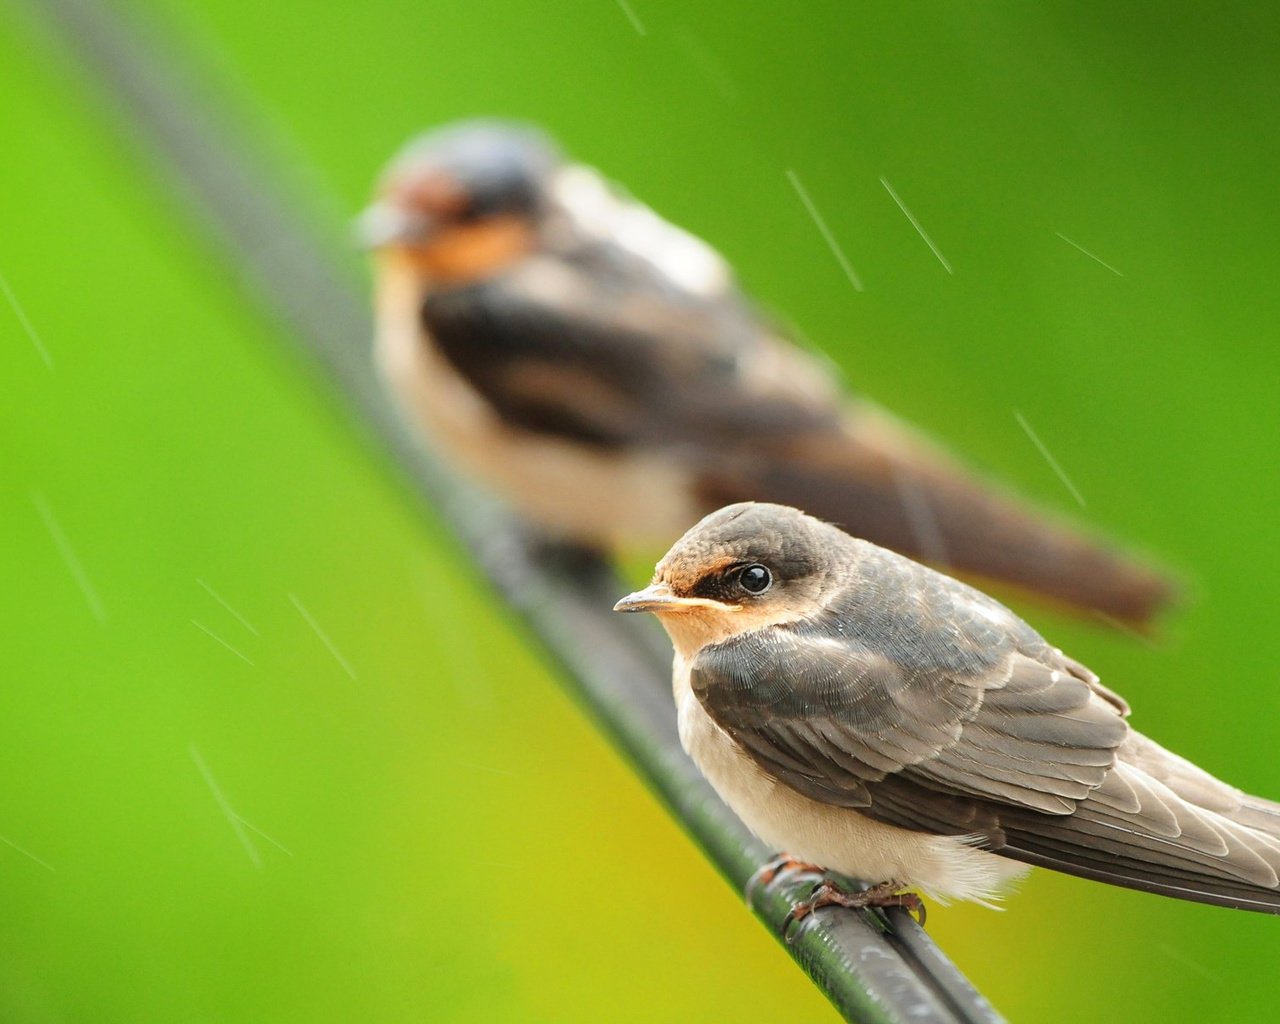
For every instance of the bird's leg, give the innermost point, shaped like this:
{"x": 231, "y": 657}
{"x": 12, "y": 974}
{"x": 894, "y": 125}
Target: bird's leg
{"x": 782, "y": 864}
{"x": 827, "y": 894}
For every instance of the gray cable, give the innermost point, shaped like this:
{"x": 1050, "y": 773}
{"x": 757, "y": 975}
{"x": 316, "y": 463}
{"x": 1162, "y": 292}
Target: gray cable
{"x": 272, "y": 235}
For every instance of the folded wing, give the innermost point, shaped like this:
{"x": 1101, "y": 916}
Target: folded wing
{"x": 955, "y": 725}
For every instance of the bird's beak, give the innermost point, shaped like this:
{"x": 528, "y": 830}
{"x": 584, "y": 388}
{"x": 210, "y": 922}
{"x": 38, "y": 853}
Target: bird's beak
{"x": 659, "y": 597}
{"x": 387, "y": 223}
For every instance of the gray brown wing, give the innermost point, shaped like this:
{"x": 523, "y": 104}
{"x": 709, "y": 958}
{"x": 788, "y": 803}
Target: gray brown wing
{"x": 833, "y": 719}
{"x": 612, "y": 356}
{"x": 980, "y": 731}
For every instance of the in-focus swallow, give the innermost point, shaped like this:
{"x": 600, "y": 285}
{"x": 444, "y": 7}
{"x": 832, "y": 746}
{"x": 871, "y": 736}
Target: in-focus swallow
{"x": 599, "y": 368}
{"x": 874, "y": 717}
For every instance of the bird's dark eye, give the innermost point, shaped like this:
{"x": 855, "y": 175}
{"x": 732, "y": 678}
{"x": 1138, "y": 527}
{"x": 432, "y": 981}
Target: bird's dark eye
{"x": 755, "y": 579}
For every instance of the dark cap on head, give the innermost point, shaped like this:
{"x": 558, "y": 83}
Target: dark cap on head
{"x": 496, "y": 166}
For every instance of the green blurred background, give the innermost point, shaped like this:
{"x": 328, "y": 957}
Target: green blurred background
{"x": 449, "y": 838}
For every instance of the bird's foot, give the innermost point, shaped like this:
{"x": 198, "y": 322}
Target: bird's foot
{"x": 827, "y": 894}
{"x": 782, "y": 864}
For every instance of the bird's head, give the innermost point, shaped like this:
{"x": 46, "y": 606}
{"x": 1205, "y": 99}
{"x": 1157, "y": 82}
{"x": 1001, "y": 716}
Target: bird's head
{"x": 742, "y": 568}
{"x": 462, "y": 201}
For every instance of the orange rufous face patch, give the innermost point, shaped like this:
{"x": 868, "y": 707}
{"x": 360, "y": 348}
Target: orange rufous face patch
{"x": 466, "y": 252}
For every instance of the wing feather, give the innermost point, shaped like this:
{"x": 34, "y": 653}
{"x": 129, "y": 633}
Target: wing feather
{"x": 612, "y": 356}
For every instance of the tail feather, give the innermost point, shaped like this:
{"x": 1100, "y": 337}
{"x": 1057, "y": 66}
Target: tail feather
{"x": 1160, "y": 824}
{"x": 1143, "y": 877}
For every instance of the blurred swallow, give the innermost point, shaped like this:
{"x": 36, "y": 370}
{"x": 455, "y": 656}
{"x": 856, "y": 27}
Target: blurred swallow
{"x": 874, "y": 717}
{"x": 599, "y": 368}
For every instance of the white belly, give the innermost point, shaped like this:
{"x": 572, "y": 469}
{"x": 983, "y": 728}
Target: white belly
{"x": 589, "y": 496}
{"x": 841, "y": 839}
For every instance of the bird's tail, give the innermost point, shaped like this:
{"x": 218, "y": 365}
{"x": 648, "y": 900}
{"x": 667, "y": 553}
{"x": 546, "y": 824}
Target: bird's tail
{"x": 1160, "y": 824}
{"x": 884, "y": 482}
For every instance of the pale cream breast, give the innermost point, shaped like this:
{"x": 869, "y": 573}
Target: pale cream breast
{"x": 944, "y": 867}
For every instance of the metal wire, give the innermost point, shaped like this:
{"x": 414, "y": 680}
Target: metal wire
{"x": 268, "y": 227}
